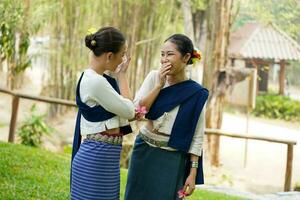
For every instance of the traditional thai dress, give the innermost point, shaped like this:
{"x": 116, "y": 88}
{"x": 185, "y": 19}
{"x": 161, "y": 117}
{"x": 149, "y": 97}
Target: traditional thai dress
{"x": 160, "y": 162}
{"x": 95, "y": 169}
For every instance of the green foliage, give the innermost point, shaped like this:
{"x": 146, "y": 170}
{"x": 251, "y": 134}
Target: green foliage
{"x": 33, "y": 128}
{"x": 199, "y": 4}
{"x": 277, "y": 107}
{"x": 14, "y": 39}
{"x": 67, "y": 149}
{"x": 283, "y": 13}
{"x": 19, "y": 20}
{"x": 11, "y": 28}
{"x": 31, "y": 173}
{"x": 7, "y": 39}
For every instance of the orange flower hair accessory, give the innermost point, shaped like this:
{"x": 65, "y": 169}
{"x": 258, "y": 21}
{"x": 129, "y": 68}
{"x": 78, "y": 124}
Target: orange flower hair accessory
{"x": 196, "y": 56}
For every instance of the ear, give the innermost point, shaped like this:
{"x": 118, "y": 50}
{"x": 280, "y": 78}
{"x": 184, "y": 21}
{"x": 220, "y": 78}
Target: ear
{"x": 186, "y": 57}
{"x": 109, "y": 56}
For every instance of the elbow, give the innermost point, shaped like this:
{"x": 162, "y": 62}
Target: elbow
{"x": 132, "y": 115}
{"x": 129, "y": 113}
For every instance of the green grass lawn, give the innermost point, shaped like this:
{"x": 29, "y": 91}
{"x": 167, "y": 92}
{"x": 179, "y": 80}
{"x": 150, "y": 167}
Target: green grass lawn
{"x": 32, "y": 173}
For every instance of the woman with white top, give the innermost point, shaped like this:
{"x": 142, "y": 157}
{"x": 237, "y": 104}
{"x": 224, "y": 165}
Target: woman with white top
{"x": 104, "y": 109}
{"x": 167, "y": 154}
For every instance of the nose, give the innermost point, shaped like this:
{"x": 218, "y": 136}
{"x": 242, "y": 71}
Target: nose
{"x": 163, "y": 59}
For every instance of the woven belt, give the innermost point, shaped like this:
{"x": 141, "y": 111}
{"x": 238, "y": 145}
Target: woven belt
{"x": 153, "y": 142}
{"x": 155, "y": 131}
{"x": 114, "y": 139}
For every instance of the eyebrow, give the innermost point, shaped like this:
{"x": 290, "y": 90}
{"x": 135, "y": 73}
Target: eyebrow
{"x": 168, "y": 51}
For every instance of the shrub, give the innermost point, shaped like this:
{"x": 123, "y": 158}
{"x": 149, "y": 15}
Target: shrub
{"x": 277, "y": 107}
{"x": 33, "y": 128}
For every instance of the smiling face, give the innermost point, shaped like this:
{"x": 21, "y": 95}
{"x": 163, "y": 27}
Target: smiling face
{"x": 170, "y": 54}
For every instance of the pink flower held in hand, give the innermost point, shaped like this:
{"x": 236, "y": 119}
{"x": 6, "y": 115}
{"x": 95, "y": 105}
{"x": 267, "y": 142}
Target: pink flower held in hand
{"x": 181, "y": 194}
{"x": 141, "y": 110}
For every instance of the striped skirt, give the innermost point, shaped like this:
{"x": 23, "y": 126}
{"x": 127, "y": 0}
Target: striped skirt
{"x": 96, "y": 172}
{"x": 154, "y": 173}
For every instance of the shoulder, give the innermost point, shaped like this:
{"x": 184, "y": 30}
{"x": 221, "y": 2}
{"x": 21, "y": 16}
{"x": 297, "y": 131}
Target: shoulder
{"x": 152, "y": 77}
{"x": 94, "y": 80}
{"x": 199, "y": 88}
{"x": 153, "y": 74}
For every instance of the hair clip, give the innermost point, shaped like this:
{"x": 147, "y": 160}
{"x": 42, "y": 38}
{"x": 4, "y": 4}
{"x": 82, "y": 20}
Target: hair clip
{"x": 91, "y": 31}
{"x": 93, "y": 42}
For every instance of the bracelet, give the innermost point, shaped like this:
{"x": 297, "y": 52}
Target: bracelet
{"x": 194, "y": 164}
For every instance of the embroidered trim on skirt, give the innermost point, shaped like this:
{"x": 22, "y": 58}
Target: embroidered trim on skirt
{"x": 114, "y": 139}
{"x": 96, "y": 172}
{"x": 154, "y": 173}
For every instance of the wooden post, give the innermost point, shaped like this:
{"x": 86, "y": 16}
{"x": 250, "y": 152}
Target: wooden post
{"x": 289, "y": 168}
{"x": 282, "y": 77}
{"x": 215, "y": 150}
{"x": 13, "y": 119}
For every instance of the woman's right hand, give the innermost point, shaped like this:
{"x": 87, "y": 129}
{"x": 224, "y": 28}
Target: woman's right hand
{"x": 122, "y": 68}
{"x": 164, "y": 69}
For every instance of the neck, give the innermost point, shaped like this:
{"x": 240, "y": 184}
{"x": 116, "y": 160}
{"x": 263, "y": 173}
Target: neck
{"x": 177, "y": 78}
{"x": 97, "y": 66}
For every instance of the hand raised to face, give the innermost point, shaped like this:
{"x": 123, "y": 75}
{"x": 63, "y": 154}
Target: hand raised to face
{"x": 122, "y": 68}
{"x": 163, "y": 71}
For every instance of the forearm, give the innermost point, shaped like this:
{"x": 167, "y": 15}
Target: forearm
{"x": 148, "y": 100}
{"x": 190, "y": 182}
{"x": 193, "y": 171}
{"x": 124, "y": 87}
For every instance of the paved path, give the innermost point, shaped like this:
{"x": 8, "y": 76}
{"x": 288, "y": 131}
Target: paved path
{"x": 265, "y": 169}
{"x": 251, "y": 196}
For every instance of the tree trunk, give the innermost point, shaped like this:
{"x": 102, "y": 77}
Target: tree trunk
{"x": 218, "y": 26}
{"x": 199, "y": 22}
{"x": 188, "y": 20}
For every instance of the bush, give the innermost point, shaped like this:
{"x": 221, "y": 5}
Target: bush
{"x": 33, "y": 128}
{"x": 277, "y": 107}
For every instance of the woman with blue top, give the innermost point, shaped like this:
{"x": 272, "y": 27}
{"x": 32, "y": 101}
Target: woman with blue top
{"x": 167, "y": 154}
{"x": 104, "y": 109}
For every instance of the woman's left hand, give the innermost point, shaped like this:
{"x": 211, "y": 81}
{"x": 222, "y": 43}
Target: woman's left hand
{"x": 189, "y": 185}
{"x": 122, "y": 68}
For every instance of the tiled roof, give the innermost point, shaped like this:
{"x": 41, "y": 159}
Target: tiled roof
{"x": 255, "y": 40}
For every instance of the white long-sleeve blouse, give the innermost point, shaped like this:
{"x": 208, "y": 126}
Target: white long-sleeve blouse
{"x": 165, "y": 123}
{"x": 95, "y": 90}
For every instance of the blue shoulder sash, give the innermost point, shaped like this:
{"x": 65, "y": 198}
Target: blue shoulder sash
{"x": 93, "y": 114}
{"x": 191, "y": 97}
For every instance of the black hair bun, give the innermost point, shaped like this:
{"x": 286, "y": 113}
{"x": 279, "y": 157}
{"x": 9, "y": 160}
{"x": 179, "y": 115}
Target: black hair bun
{"x": 90, "y": 41}
{"x": 106, "y": 39}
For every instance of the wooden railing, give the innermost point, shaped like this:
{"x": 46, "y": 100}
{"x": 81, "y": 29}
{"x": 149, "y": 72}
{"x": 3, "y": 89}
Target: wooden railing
{"x": 15, "y": 105}
{"x": 290, "y": 150}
